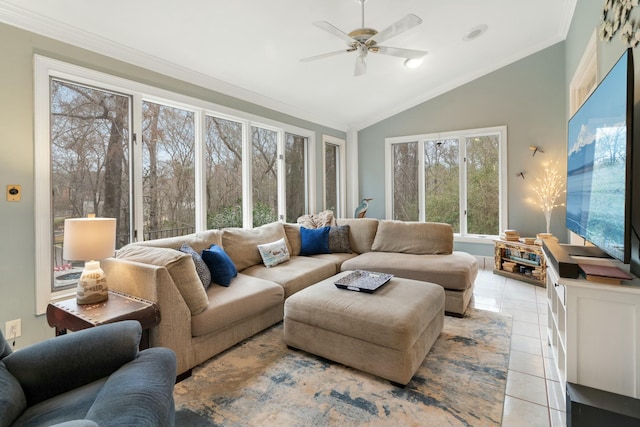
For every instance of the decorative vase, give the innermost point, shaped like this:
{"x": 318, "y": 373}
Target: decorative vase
{"x": 547, "y": 216}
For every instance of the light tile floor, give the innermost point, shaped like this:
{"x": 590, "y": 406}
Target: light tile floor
{"x": 534, "y": 396}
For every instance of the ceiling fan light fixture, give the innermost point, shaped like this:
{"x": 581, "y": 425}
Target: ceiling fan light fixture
{"x": 413, "y": 62}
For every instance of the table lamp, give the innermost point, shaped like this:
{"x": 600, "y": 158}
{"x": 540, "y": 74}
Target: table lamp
{"x": 90, "y": 240}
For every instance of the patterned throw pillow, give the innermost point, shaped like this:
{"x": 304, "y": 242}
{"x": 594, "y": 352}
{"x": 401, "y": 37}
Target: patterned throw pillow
{"x": 314, "y": 241}
{"x": 339, "y": 239}
{"x": 274, "y": 253}
{"x": 220, "y": 265}
{"x": 201, "y": 268}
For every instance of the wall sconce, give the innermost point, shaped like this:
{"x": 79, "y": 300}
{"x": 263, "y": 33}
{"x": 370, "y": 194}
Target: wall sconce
{"x": 535, "y": 150}
{"x": 90, "y": 240}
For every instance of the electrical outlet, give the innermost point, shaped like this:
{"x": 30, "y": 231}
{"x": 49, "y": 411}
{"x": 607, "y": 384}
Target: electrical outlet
{"x": 13, "y": 329}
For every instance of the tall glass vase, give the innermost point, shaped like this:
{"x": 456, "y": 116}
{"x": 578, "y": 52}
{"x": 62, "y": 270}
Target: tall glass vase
{"x": 547, "y": 216}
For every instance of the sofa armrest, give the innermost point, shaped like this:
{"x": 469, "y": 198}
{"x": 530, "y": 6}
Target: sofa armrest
{"x": 76, "y": 423}
{"x": 60, "y": 364}
{"x": 141, "y": 392}
{"x": 154, "y": 283}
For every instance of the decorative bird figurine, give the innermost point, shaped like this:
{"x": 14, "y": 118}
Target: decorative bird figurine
{"x": 361, "y": 210}
{"x": 535, "y": 150}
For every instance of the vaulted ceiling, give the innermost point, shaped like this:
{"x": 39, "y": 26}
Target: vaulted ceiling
{"x": 251, "y": 49}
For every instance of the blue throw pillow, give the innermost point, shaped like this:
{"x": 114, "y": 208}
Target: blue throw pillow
{"x": 314, "y": 240}
{"x": 220, "y": 265}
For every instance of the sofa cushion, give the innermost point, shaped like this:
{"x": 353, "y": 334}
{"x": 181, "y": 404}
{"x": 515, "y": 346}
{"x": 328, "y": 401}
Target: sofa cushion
{"x": 292, "y": 231}
{"x": 220, "y": 265}
{"x": 201, "y": 268}
{"x": 314, "y": 241}
{"x": 336, "y": 258}
{"x": 274, "y": 253}
{"x": 419, "y": 238}
{"x": 455, "y": 271}
{"x": 227, "y": 306}
{"x": 198, "y": 241}
{"x": 362, "y": 231}
{"x": 298, "y": 273}
{"x": 339, "y": 239}
{"x": 180, "y": 267}
{"x": 12, "y": 398}
{"x": 242, "y": 245}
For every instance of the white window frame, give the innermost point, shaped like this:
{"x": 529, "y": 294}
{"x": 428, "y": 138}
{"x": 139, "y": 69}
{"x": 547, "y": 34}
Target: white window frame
{"x": 461, "y": 135}
{"x": 46, "y": 68}
{"x": 340, "y": 174}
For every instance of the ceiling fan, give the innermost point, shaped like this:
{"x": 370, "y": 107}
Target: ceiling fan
{"x": 364, "y": 40}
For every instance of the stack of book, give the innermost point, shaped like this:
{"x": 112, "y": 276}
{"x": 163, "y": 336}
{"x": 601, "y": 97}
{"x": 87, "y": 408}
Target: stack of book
{"x": 510, "y": 266}
{"x": 604, "y": 273}
{"x": 537, "y": 273}
{"x": 511, "y": 236}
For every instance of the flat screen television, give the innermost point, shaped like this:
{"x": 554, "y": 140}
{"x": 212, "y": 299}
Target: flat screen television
{"x": 599, "y": 156}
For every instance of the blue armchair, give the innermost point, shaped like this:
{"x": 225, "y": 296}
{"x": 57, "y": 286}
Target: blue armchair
{"x": 94, "y": 377}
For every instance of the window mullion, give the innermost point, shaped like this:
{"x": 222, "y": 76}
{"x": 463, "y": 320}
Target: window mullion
{"x": 247, "y": 176}
{"x": 137, "y": 216}
{"x": 422, "y": 194}
{"x": 200, "y": 171}
{"x": 463, "y": 184}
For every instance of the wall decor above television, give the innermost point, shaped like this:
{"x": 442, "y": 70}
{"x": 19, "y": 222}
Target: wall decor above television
{"x": 599, "y": 157}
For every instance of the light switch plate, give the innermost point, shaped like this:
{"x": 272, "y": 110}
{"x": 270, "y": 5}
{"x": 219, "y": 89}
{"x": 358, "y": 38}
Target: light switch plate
{"x": 14, "y": 192}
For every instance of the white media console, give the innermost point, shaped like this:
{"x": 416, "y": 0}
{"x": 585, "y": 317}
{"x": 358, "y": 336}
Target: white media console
{"x": 594, "y": 331}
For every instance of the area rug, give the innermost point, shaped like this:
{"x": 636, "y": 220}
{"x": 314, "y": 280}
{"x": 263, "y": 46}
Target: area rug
{"x": 260, "y": 382}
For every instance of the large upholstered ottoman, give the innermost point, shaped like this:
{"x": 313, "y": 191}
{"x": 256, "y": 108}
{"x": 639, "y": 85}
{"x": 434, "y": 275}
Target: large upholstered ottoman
{"x": 387, "y": 333}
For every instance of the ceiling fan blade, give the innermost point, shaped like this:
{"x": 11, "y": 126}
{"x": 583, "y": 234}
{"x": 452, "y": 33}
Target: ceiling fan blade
{"x": 402, "y": 53}
{"x": 324, "y": 55}
{"x": 401, "y": 26}
{"x": 324, "y": 25}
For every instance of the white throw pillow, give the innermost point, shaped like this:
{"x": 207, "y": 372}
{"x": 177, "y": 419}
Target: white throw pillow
{"x": 274, "y": 253}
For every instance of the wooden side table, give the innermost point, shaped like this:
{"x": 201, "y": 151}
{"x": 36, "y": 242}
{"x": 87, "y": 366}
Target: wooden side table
{"x": 69, "y": 315}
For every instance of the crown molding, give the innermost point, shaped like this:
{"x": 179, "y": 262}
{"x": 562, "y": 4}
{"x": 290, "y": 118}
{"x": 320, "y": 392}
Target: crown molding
{"x": 51, "y": 28}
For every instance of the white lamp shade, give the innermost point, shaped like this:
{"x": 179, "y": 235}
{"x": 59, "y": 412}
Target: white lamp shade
{"x": 89, "y": 238}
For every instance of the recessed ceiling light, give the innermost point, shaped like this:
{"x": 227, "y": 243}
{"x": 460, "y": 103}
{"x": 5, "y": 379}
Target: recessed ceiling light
{"x": 475, "y": 32}
{"x": 413, "y": 62}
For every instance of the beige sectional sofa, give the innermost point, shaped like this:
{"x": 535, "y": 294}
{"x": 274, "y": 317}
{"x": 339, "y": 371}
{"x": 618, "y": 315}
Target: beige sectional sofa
{"x": 198, "y": 323}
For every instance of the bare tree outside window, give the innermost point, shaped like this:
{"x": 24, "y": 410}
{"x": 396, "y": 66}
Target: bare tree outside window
{"x": 223, "y": 142}
{"x": 483, "y": 190}
{"x": 168, "y": 162}
{"x": 295, "y": 176}
{"x": 442, "y": 183}
{"x": 405, "y": 181}
{"x": 264, "y": 143}
{"x": 331, "y": 177}
{"x": 89, "y": 161}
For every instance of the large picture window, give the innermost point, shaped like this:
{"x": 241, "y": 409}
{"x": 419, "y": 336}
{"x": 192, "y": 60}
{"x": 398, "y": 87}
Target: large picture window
{"x": 90, "y": 131}
{"x": 161, "y": 163}
{"x": 334, "y": 176}
{"x": 452, "y": 177}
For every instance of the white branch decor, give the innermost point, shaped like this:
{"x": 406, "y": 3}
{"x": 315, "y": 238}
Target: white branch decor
{"x": 616, "y": 16}
{"x": 548, "y": 190}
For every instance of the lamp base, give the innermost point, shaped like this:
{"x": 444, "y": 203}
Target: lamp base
{"x": 92, "y": 285}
